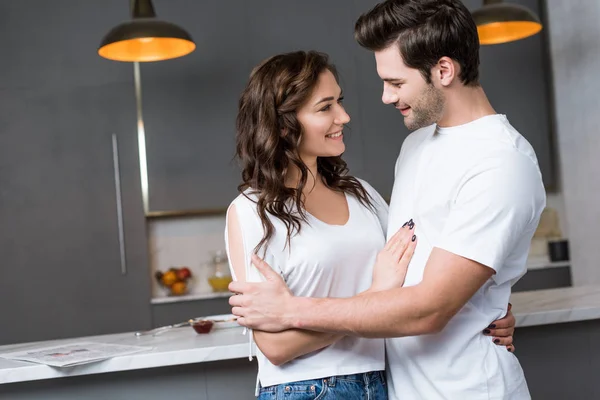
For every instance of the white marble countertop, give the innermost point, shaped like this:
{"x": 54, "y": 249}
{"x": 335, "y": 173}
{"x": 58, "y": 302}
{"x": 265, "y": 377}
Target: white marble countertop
{"x": 553, "y": 306}
{"x": 176, "y": 347}
{"x": 185, "y": 346}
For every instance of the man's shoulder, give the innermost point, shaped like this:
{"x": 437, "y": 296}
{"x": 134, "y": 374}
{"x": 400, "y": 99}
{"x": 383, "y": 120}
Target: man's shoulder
{"x": 496, "y": 136}
{"x": 416, "y": 137}
{"x": 413, "y": 141}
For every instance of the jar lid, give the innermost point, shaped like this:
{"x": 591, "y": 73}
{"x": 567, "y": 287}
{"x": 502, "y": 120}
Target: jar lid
{"x": 220, "y": 256}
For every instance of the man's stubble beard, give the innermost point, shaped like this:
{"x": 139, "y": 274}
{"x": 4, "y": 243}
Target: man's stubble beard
{"x": 427, "y": 109}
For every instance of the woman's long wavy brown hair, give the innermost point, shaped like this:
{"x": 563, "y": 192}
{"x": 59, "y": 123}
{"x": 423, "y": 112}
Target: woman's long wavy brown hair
{"x": 268, "y": 136}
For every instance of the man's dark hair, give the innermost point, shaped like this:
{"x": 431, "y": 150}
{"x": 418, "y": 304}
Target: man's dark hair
{"x": 425, "y": 31}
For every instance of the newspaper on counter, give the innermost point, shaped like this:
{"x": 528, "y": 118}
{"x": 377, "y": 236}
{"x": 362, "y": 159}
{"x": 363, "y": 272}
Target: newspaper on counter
{"x": 69, "y": 355}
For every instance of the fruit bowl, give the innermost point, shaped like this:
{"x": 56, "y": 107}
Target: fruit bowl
{"x": 175, "y": 280}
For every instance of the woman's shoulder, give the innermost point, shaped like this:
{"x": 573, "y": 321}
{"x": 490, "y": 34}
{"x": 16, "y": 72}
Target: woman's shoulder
{"x": 368, "y": 187}
{"x": 245, "y": 201}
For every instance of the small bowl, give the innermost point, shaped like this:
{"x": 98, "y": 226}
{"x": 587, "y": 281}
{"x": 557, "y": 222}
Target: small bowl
{"x": 203, "y": 326}
{"x": 220, "y": 283}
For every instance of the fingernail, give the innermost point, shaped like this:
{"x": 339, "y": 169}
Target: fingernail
{"x": 411, "y": 225}
{"x": 509, "y": 349}
{"x": 406, "y": 223}
{"x": 486, "y": 331}
{"x": 411, "y": 221}
{"x": 414, "y": 238}
{"x": 496, "y": 341}
{"x": 492, "y": 326}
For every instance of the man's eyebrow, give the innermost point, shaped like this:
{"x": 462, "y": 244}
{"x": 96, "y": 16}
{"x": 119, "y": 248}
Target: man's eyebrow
{"x": 401, "y": 80}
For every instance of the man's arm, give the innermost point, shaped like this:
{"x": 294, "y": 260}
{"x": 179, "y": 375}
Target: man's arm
{"x": 280, "y": 347}
{"x": 448, "y": 283}
{"x": 494, "y": 211}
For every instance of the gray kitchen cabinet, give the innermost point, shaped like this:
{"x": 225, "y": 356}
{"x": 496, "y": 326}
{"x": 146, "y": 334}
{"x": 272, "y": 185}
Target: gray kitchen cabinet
{"x": 190, "y": 103}
{"x": 60, "y": 104}
{"x": 544, "y": 278}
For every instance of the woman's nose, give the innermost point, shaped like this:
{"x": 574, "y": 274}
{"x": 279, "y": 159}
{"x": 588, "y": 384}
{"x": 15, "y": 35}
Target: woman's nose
{"x": 343, "y": 117}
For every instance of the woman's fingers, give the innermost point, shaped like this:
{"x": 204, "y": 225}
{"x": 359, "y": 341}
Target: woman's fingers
{"x": 503, "y": 341}
{"x": 499, "y": 332}
{"x": 409, "y": 251}
{"x": 394, "y": 240}
{"x": 400, "y": 241}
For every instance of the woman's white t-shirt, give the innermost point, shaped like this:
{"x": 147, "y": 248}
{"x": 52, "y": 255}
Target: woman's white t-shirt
{"x": 323, "y": 260}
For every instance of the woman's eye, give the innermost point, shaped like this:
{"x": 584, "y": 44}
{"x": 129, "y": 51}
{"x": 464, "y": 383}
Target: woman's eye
{"x": 340, "y": 100}
{"x": 326, "y": 108}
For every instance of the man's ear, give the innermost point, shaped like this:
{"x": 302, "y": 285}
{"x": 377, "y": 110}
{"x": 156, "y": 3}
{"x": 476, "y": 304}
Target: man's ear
{"x": 445, "y": 71}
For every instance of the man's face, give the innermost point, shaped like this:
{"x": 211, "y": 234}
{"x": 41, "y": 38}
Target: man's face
{"x": 420, "y": 103}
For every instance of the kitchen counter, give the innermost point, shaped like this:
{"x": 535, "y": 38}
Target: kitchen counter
{"x": 556, "y": 345}
{"x": 184, "y": 346}
{"x": 553, "y": 306}
{"x": 177, "y": 347}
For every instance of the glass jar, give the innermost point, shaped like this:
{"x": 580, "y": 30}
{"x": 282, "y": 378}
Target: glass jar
{"x": 219, "y": 277}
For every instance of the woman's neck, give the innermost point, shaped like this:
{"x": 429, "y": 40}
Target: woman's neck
{"x": 312, "y": 179}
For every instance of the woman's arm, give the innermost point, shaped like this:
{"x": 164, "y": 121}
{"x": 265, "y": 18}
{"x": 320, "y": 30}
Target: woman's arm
{"x": 285, "y": 346}
{"x": 280, "y": 347}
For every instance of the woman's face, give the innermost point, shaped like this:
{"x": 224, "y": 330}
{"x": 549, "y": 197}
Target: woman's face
{"x": 322, "y": 118}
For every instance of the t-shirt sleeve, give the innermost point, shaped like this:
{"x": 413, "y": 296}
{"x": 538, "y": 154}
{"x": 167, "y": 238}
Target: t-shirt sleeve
{"x": 498, "y": 203}
{"x": 249, "y": 233}
{"x": 380, "y": 207}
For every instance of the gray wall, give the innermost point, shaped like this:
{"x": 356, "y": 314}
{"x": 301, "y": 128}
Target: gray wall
{"x": 575, "y": 54}
{"x": 190, "y": 103}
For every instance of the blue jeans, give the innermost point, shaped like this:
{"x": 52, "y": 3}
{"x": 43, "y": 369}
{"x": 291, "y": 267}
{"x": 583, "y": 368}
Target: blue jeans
{"x": 367, "y": 386}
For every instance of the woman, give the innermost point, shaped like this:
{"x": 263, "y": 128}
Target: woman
{"x": 322, "y": 229}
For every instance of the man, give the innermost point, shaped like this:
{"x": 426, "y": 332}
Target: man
{"x": 470, "y": 183}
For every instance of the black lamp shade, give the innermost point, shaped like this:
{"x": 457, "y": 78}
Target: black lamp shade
{"x": 145, "y": 38}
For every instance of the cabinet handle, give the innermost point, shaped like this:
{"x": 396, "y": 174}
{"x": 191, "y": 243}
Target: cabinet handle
{"x": 115, "y": 150}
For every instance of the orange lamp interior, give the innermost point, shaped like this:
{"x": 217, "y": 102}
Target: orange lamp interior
{"x": 502, "y": 32}
{"x": 147, "y": 49}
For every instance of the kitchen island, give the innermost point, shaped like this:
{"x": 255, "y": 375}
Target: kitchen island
{"x": 556, "y": 344}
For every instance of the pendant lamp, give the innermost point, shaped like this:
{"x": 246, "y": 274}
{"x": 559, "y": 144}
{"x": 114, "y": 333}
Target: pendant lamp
{"x": 499, "y": 22}
{"x": 145, "y": 38}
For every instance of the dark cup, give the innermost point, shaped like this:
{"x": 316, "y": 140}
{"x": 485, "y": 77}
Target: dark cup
{"x": 558, "y": 250}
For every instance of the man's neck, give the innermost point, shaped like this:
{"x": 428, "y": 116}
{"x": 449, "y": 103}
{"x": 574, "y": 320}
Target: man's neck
{"x": 465, "y": 104}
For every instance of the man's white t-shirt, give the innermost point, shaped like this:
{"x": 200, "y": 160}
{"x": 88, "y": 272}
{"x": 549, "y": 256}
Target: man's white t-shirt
{"x": 323, "y": 260}
{"x": 474, "y": 190}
